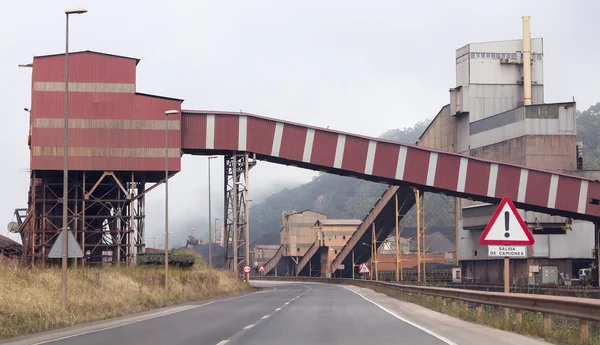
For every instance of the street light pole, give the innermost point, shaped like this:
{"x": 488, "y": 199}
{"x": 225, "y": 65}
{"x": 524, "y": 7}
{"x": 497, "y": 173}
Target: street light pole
{"x": 65, "y": 201}
{"x": 209, "y": 227}
{"x": 167, "y": 113}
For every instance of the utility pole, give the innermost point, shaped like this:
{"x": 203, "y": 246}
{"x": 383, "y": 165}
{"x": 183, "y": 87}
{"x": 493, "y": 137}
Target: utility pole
{"x": 167, "y": 113}
{"x": 423, "y": 240}
{"x": 210, "y": 242}
{"x": 397, "y": 241}
{"x": 65, "y": 201}
{"x": 246, "y": 215}
{"x": 418, "y": 204}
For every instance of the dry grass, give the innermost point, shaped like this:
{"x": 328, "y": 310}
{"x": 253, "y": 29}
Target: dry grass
{"x": 30, "y": 300}
{"x": 564, "y": 331}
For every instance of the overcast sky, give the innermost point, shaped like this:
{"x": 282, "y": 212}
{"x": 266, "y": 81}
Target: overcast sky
{"x": 357, "y": 66}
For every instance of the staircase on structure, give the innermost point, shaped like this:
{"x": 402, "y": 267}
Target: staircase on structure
{"x": 382, "y": 215}
{"x": 303, "y": 268}
{"x": 272, "y": 263}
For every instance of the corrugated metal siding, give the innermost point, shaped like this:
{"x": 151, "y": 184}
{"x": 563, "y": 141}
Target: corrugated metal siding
{"x": 107, "y": 138}
{"x": 292, "y": 142}
{"x": 355, "y": 154}
{"x": 386, "y": 160}
{"x": 507, "y": 182}
{"x": 193, "y": 131}
{"x": 567, "y": 194}
{"x": 107, "y": 130}
{"x": 538, "y": 186}
{"x": 85, "y": 67}
{"x": 260, "y": 136}
{"x": 226, "y": 132}
{"x": 106, "y": 163}
{"x": 478, "y": 175}
{"x": 447, "y": 177}
{"x": 417, "y": 165}
{"x": 593, "y": 193}
{"x": 324, "y": 147}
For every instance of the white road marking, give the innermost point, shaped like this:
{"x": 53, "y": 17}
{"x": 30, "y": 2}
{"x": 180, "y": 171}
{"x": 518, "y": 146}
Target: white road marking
{"x": 264, "y": 317}
{"x": 178, "y": 310}
{"x": 249, "y": 326}
{"x": 223, "y": 342}
{"x": 278, "y": 309}
{"x": 433, "y": 334}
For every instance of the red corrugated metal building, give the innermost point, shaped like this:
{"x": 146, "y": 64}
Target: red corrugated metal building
{"x": 111, "y": 126}
{"x": 116, "y": 146}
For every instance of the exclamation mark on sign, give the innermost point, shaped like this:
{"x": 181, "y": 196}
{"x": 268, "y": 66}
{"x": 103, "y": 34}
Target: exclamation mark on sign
{"x": 506, "y": 219}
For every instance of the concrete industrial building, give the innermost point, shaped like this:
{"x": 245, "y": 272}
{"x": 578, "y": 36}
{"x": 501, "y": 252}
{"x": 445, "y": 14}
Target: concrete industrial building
{"x": 334, "y": 233}
{"x": 309, "y": 242}
{"x": 497, "y": 112}
{"x": 263, "y": 253}
{"x": 298, "y": 232}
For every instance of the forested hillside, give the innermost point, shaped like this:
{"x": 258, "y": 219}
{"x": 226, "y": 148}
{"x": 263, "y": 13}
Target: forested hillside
{"x": 588, "y": 131}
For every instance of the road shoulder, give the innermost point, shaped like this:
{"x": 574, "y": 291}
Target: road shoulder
{"x": 456, "y": 330}
{"x": 97, "y": 326}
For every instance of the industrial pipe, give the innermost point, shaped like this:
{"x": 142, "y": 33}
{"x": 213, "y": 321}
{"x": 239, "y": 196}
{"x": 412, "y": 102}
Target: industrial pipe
{"x": 526, "y": 62}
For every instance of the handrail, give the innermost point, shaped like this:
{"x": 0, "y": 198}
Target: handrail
{"x": 584, "y": 309}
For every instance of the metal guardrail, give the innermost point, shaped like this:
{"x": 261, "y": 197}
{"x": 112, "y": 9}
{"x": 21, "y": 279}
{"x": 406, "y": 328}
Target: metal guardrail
{"x": 584, "y": 309}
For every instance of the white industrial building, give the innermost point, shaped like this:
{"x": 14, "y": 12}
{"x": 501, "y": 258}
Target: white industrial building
{"x": 497, "y": 111}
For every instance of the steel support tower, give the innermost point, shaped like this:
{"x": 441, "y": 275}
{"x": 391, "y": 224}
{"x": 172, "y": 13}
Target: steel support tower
{"x": 106, "y": 214}
{"x": 236, "y": 225}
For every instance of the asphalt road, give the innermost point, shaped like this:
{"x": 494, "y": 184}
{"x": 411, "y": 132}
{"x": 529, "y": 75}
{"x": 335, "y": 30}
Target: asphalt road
{"x": 286, "y": 314}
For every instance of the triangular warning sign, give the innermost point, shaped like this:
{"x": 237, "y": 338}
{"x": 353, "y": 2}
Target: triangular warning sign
{"x": 363, "y": 268}
{"x": 506, "y": 227}
{"x": 73, "y": 248}
{"x": 261, "y": 269}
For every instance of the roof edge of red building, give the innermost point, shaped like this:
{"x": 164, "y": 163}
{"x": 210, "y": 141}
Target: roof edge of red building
{"x": 89, "y": 51}
{"x": 157, "y": 96}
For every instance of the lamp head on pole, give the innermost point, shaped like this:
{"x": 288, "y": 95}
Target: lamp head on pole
{"x": 75, "y": 10}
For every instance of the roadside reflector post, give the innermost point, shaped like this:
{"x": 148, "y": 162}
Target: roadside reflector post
{"x": 546, "y": 322}
{"x": 584, "y": 330}
{"x": 519, "y": 317}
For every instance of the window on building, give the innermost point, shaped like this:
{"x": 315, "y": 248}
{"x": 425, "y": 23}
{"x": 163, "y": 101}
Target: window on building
{"x": 475, "y": 253}
{"x": 335, "y": 251}
{"x": 343, "y": 237}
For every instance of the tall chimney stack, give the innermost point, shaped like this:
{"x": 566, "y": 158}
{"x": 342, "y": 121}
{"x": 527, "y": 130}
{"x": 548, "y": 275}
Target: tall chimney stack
{"x": 526, "y": 61}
